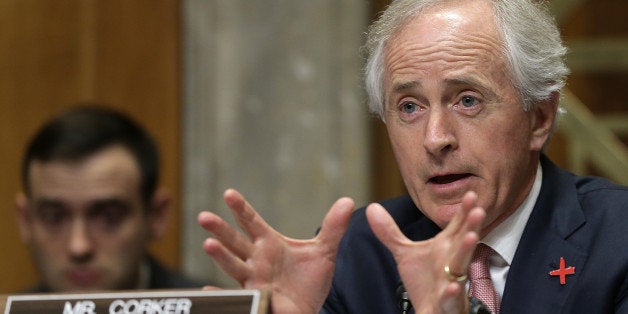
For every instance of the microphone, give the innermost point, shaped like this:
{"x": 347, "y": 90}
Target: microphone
{"x": 404, "y": 302}
{"x": 476, "y": 306}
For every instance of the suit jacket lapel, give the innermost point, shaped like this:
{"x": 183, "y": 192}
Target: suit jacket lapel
{"x": 555, "y": 218}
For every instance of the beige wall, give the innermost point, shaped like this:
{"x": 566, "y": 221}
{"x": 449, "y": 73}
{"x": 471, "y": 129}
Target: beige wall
{"x": 273, "y": 107}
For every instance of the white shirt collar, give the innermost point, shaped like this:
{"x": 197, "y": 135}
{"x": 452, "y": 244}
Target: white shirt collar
{"x": 504, "y": 239}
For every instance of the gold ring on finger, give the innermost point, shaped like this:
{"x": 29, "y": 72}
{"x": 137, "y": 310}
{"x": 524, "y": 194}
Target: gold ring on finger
{"x": 453, "y": 277}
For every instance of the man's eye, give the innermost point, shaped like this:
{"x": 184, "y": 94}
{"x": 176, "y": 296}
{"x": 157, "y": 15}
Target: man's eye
{"x": 409, "y": 107}
{"x": 52, "y": 217}
{"x": 468, "y": 101}
{"x": 109, "y": 216}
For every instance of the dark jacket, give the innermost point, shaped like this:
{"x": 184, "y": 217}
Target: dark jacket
{"x": 161, "y": 277}
{"x": 581, "y": 219}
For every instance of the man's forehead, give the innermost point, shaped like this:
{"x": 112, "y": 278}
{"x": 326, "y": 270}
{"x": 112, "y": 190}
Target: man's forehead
{"x": 110, "y": 174}
{"x": 458, "y": 41}
{"x": 450, "y": 17}
{"x": 106, "y": 163}
{"x": 456, "y": 82}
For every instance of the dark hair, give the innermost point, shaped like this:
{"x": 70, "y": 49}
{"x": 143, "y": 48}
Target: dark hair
{"x": 86, "y": 129}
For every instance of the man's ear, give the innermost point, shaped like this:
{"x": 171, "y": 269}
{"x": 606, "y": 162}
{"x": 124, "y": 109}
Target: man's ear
{"x": 23, "y": 216}
{"x": 544, "y": 117}
{"x": 159, "y": 213}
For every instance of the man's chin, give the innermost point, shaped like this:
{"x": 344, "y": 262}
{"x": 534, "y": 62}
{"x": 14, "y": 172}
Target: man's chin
{"x": 443, "y": 213}
{"x": 82, "y": 288}
{"x": 81, "y": 284}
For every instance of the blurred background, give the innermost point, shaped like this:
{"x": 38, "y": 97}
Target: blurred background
{"x": 261, "y": 95}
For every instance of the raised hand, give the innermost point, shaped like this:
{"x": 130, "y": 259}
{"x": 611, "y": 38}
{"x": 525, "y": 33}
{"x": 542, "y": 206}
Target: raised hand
{"x": 422, "y": 264}
{"x": 297, "y": 272}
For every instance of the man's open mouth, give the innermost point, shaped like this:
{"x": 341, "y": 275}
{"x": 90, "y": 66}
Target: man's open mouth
{"x": 448, "y": 178}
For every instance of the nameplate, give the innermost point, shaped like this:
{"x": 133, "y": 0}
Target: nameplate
{"x": 141, "y": 302}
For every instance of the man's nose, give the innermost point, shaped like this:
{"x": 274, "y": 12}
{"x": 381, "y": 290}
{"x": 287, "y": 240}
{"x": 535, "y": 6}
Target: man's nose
{"x": 440, "y": 136}
{"x": 80, "y": 245}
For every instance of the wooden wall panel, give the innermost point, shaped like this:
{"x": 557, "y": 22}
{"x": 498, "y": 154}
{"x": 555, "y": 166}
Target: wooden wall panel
{"x": 56, "y": 53}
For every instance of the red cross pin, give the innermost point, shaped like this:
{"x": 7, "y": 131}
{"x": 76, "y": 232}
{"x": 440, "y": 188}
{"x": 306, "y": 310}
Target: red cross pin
{"x": 563, "y": 272}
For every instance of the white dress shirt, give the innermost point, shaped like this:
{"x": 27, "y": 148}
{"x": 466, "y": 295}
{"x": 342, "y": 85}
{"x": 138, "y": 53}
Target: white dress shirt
{"x": 504, "y": 239}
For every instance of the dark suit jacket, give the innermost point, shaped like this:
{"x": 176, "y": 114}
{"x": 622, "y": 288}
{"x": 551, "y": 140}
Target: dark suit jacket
{"x": 165, "y": 278}
{"x": 582, "y": 219}
{"x": 160, "y": 278}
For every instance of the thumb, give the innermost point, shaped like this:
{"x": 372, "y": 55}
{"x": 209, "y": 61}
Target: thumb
{"x": 384, "y": 227}
{"x": 336, "y": 222}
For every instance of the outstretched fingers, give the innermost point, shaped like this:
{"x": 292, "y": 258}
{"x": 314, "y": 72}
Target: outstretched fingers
{"x": 385, "y": 228}
{"x": 433, "y": 270}
{"x": 232, "y": 265}
{"x": 246, "y": 216}
{"x": 231, "y": 238}
{"x": 457, "y": 222}
{"x": 464, "y": 234}
{"x": 229, "y": 247}
{"x": 335, "y": 223}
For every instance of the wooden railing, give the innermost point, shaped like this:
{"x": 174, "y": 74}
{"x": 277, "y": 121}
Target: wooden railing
{"x": 591, "y": 141}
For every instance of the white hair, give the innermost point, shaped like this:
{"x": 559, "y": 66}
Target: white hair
{"x": 531, "y": 41}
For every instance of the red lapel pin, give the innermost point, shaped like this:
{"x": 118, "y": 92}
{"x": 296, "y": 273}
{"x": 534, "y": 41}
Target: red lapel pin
{"x": 563, "y": 272}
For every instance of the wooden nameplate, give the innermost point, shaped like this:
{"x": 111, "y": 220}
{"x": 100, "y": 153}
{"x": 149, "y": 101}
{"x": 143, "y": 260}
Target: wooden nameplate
{"x": 139, "y": 302}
